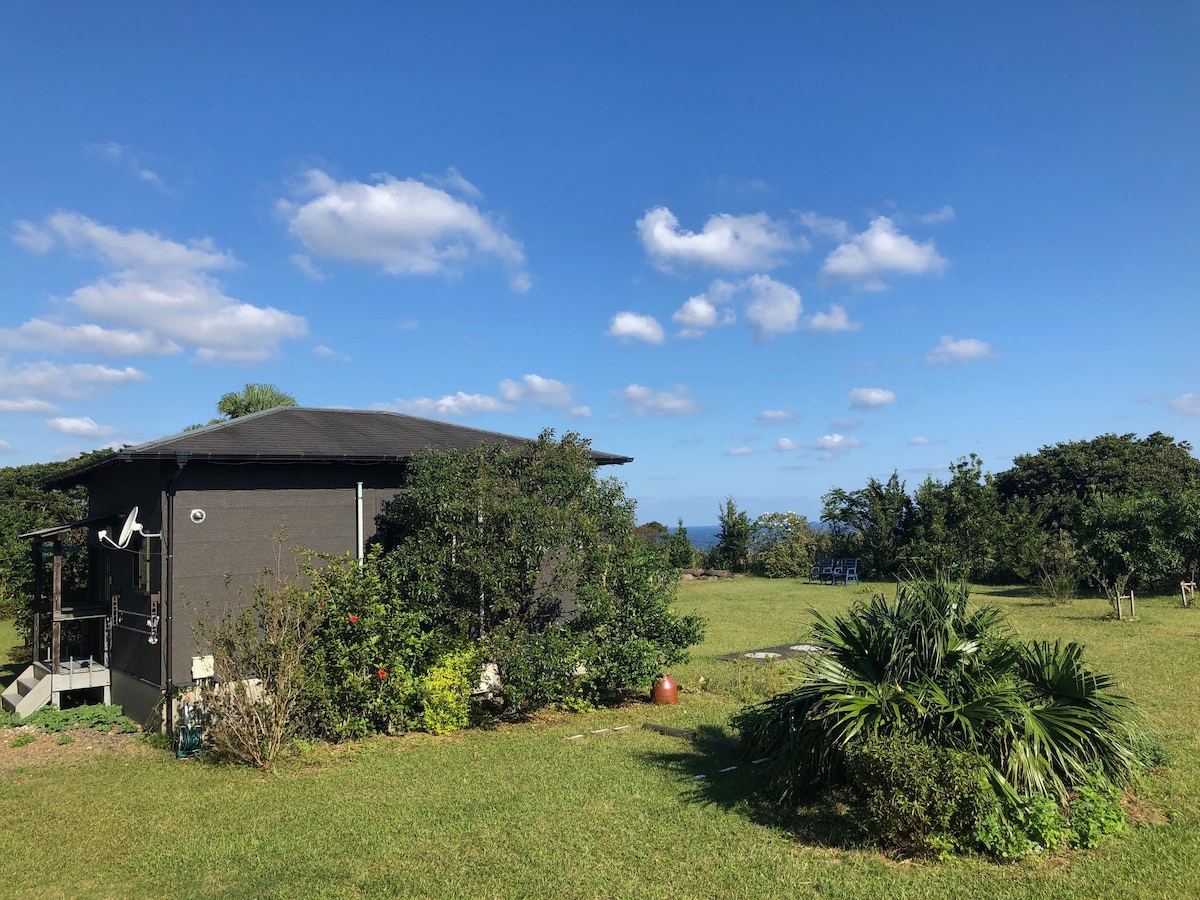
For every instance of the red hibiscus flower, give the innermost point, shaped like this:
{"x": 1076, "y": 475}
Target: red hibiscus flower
{"x": 383, "y": 673}
{"x": 353, "y": 618}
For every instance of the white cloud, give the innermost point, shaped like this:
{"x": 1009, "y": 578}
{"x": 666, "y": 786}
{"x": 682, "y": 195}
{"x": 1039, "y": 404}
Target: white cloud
{"x": 784, "y": 445}
{"x": 322, "y": 352}
{"x": 26, "y": 405}
{"x": 537, "y": 390}
{"x": 161, "y": 291}
{"x": 945, "y": 214}
{"x": 700, "y": 313}
{"x": 5, "y": 446}
{"x": 32, "y": 238}
{"x": 881, "y": 250}
{"x": 643, "y": 401}
{"x": 740, "y": 451}
{"x": 33, "y": 379}
{"x": 774, "y": 307}
{"x": 584, "y": 412}
{"x": 42, "y": 334}
{"x": 459, "y": 404}
{"x": 832, "y": 321}
{"x": 844, "y": 424}
{"x": 831, "y": 446}
{"x": 84, "y": 427}
{"x": 871, "y": 398}
{"x": 1187, "y": 405}
{"x": 963, "y": 350}
{"x": 775, "y": 415}
{"x": 825, "y": 226}
{"x": 735, "y": 243}
{"x": 631, "y": 326}
{"x": 454, "y": 182}
{"x": 135, "y": 249}
{"x": 302, "y": 262}
{"x": 193, "y": 311}
{"x": 922, "y": 441}
{"x": 402, "y": 227}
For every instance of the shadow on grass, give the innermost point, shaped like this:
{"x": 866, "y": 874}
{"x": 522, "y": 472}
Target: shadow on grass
{"x": 13, "y": 660}
{"x": 713, "y": 773}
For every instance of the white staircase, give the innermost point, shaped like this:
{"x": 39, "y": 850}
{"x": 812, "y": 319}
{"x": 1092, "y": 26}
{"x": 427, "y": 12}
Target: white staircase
{"x": 29, "y": 693}
{"x": 36, "y": 686}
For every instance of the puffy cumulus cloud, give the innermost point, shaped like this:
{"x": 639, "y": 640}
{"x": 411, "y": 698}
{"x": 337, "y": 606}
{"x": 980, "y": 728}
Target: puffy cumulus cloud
{"x": 643, "y": 401}
{"x": 700, "y": 313}
{"x": 162, "y": 298}
{"x": 772, "y": 307}
{"x": 962, "y": 350}
{"x": 537, "y": 390}
{"x": 734, "y": 243}
{"x": 44, "y": 378}
{"x": 831, "y": 446}
{"x": 1187, "y": 405}
{"x": 631, "y": 326}
{"x": 83, "y": 426}
{"x": 26, "y": 405}
{"x": 922, "y": 441}
{"x": 458, "y": 404}
{"x": 882, "y": 250}
{"x": 740, "y": 451}
{"x": 403, "y": 227}
{"x": 774, "y": 415}
{"x": 40, "y": 334}
{"x": 583, "y": 412}
{"x": 871, "y": 398}
{"x": 834, "y": 320}
{"x": 195, "y": 312}
{"x": 785, "y": 445}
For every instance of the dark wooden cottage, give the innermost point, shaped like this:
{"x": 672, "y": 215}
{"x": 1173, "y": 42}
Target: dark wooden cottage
{"x": 209, "y": 503}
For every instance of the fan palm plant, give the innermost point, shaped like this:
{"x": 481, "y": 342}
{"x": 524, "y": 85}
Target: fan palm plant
{"x": 929, "y": 667}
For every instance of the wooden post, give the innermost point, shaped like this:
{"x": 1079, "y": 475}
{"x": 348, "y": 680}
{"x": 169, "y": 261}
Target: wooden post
{"x": 56, "y": 610}
{"x": 1187, "y": 592}
{"x": 37, "y": 601}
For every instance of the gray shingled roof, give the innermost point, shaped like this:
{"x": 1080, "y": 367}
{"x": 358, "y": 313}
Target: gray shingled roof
{"x": 304, "y": 434}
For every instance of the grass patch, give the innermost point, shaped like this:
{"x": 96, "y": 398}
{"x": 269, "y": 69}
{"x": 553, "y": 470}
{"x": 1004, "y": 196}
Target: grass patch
{"x": 521, "y": 810}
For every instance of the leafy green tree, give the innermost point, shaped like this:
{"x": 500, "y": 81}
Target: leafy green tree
{"x": 958, "y": 525}
{"x": 1060, "y": 479}
{"x": 655, "y": 534}
{"x": 875, "y": 521}
{"x": 526, "y": 551}
{"x": 1146, "y": 540}
{"x": 680, "y": 550}
{"x": 782, "y": 545}
{"x": 732, "y": 551}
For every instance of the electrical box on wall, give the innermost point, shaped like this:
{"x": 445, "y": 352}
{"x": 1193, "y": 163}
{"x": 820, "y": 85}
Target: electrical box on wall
{"x": 202, "y": 667}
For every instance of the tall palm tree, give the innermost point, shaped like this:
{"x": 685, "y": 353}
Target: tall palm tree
{"x": 251, "y": 399}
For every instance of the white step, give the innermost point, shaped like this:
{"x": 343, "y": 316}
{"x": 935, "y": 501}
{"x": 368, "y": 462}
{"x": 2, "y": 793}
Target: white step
{"x": 28, "y": 693}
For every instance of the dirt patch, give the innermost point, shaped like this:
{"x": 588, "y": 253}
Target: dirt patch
{"x": 1137, "y": 813}
{"x": 45, "y": 748}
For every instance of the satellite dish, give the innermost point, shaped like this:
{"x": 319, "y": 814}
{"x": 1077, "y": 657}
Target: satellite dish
{"x": 128, "y": 529}
{"x": 131, "y": 525}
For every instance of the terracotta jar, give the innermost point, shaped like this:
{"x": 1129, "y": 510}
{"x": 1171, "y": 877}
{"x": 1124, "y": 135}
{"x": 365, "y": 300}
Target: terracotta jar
{"x": 665, "y": 690}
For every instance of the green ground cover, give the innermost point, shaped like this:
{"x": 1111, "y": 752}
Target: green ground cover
{"x": 521, "y": 810}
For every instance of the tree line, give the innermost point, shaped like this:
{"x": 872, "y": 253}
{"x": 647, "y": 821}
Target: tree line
{"x": 1115, "y": 511}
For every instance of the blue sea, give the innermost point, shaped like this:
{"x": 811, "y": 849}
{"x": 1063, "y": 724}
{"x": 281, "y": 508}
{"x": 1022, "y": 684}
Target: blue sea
{"x": 703, "y": 537}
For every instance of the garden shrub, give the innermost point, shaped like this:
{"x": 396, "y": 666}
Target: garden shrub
{"x": 96, "y": 715}
{"x": 911, "y": 796}
{"x": 446, "y": 691}
{"x": 927, "y": 667}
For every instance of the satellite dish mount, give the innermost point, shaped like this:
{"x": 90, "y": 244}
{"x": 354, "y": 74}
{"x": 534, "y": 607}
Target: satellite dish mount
{"x": 130, "y": 527}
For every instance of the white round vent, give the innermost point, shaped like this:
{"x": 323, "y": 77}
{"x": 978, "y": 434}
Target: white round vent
{"x": 197, "y": 516}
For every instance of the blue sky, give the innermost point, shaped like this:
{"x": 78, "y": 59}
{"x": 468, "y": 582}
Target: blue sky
{"x": 765, "y": 249}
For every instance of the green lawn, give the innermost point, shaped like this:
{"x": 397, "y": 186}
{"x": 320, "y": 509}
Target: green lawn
{"x": 523, "y": 811}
